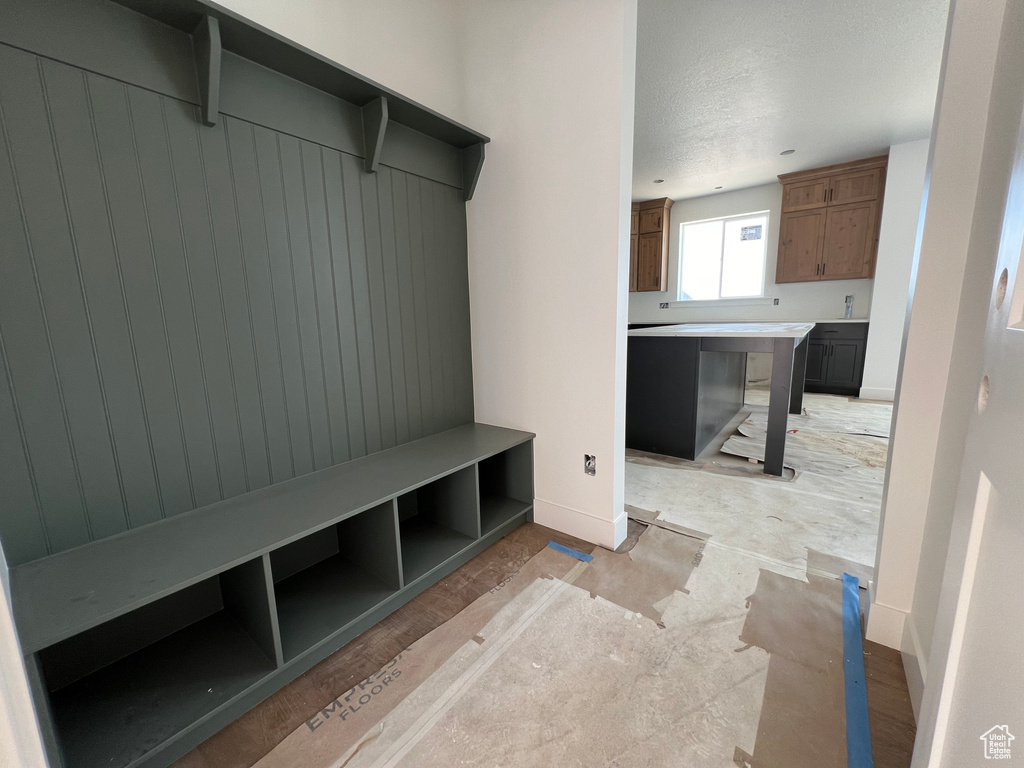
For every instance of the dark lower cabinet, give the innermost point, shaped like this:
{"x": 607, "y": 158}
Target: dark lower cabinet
{"x": 817, "y": 363}
{"x": 835, "y": 358}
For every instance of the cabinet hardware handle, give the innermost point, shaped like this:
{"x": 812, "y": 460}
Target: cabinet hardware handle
{"x": 823, "y": 269}
{"x": 817, "y": 269}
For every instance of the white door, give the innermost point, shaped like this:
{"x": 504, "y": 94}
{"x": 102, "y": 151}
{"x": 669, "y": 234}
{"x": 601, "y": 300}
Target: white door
{"x": 973, "y": 706}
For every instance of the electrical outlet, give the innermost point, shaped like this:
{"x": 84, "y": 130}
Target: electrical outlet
{"x": 589, "y": 464}
{"x": 775, "y": 302}
{"x": 663, "y": 305}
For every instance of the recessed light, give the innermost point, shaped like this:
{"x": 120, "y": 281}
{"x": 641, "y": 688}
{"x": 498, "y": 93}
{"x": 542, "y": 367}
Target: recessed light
{"x": 717, "y": 187}
{"x": 659, "y": 181}
{"x": 787, "y": 152}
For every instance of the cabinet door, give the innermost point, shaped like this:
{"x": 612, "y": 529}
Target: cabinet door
{"x": 845, "y": 363}
{"x": 632, "y": 261}
{"x": 801, "y": 242}
{"x": 649, "y": 262}
{"x": 651, "y": 220}
{"x": 855, "y": 187}
{"x": 817, "y": 362}
{"x": 850, "y": 241}
{"x": 801, "y": 195}
{"x": 634, "y": 220}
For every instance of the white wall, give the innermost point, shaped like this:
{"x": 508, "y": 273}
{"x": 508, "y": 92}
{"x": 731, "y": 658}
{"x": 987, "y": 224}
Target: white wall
{"x": 410, "y": 47}
{"x": 901, "y": 218}
{"x": 797, "y": 301}
{"x": 20, "y": 742}
{"x": 926, "y": 450}
{"x": 551, "y": 81}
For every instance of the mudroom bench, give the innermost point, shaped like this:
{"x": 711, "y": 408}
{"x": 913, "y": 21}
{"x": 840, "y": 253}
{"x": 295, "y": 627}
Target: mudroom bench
{"x": 142, "y": 645}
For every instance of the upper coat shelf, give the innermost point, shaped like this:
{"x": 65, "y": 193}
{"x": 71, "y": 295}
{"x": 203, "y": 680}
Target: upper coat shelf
{"x": 265, "y": 47}
{"x": 215, "y": 29}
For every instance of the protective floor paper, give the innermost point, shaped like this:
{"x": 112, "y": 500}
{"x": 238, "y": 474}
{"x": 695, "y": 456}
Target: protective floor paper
{"x": 559, "y": 677}
{"x": 337, "y": 727}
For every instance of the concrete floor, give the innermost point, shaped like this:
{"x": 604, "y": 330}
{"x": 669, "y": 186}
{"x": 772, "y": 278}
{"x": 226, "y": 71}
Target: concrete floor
{"x": 829, "y": 505}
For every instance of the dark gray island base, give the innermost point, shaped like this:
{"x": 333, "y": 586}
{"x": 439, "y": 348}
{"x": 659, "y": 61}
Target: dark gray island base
{"x": 677, "y": 397}
{"x": 684, "y": 383}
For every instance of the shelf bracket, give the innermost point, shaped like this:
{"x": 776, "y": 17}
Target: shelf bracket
{"x": 375, "y": 123}
{"x": 472, "y": 164}
{"x": 206, "y": 44}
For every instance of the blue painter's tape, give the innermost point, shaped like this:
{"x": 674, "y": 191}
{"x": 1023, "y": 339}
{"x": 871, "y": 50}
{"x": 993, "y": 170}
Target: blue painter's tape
{"x": 571, "y": 552}
{"x": 858, "y": 730}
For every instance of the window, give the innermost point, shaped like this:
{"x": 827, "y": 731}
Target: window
{"x": 723, "y": 258}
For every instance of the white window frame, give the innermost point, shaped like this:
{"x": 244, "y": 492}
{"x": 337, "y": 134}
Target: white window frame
{"x": 753, "y": 298}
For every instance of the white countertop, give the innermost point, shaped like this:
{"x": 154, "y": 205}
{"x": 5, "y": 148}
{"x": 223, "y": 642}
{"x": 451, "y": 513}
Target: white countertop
{"x": 774, "y": 330}
{"x": 841, "y": 320}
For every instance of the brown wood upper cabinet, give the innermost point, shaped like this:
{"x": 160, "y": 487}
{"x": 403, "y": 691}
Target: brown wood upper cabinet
{"x": 648, "y": 245}
{"x": 830, "y": 220}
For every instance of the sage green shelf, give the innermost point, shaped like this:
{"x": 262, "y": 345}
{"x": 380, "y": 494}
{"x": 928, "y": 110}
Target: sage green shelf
{"x": 426, "y": 545}
{"x": 117, "y": 714}
{"x": 314, "y": 604}
{"x": 437, "y": 521}
{"x": 498, "y": 510}
{"x": 506, "y": 486}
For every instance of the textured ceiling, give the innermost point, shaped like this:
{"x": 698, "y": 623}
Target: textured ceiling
{"x": 723, "y": 86}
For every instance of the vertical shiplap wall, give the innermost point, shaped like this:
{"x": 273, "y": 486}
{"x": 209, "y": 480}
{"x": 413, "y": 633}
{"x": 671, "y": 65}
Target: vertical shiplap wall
{"x": 190, "y": 313}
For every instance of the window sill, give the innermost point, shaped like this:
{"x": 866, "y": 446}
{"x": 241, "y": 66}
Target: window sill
{"x": 751, "y": 302}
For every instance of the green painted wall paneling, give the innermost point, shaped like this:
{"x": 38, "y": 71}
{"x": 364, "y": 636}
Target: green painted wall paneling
{"x": 189, "y": 313}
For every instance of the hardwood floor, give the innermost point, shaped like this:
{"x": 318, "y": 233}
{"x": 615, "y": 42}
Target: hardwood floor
{"x": 258, "y": 731}
{"x": 891, "y": 714}
{"x": 254, "y": 734}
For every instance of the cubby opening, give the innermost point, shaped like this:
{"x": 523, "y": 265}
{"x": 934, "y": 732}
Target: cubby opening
{"x": 437, "y": 520}
{"x": 506, "y": 486}
{"x": 328, "y": 579}
{"x": 122, "y": 688}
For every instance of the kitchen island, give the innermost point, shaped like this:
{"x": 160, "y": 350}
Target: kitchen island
{"x": 685, "y": 382}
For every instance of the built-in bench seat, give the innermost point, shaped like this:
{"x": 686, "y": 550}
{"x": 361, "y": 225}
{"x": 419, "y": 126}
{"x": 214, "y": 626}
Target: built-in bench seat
{"x": 143, "y": 644}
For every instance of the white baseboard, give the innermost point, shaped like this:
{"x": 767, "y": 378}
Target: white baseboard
{"x": 885, "y": 624}
{"x": 582, "y": 525}
{"x": 914, "y": 664}
{"x": 874, "y": 393}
